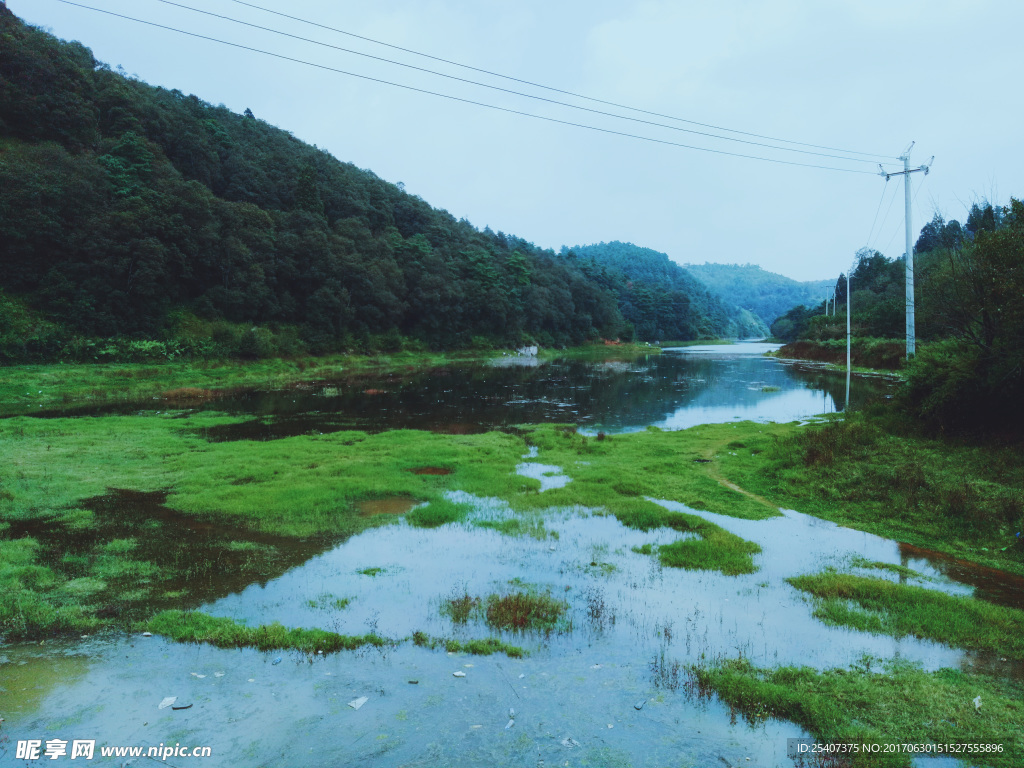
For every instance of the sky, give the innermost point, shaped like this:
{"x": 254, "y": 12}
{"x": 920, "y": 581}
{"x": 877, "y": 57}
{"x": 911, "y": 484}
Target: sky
{"x": 868, "y": 76}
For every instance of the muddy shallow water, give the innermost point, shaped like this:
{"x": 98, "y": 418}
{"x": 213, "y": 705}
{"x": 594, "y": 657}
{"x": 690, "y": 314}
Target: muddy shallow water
{"x": 606, "y": 688}
{"x": 633, "y": 623}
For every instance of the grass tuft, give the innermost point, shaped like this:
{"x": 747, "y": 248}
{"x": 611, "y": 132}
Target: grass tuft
{"x": 883, "y": 607}
{"x": 524, "y": 611}
{"x": 898, "y": 704}
{"x": 195, "y": 627}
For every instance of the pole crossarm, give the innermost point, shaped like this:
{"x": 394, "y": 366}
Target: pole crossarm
{"x": 908, "y": 256}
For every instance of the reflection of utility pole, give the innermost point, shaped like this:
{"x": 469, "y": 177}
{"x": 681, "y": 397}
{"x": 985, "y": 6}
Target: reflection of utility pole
{"x": 908, "y": 257}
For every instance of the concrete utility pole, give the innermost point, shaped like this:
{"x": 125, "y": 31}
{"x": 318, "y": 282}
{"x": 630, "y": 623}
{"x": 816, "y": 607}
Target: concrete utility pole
{"x": 908, "y": 257}
{"x": 846, "y": 410}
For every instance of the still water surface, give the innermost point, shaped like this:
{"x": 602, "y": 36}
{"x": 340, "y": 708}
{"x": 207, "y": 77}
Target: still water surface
{"x": 674, "y": 390}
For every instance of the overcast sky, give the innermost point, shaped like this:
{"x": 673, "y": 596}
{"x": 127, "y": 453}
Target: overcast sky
{"x": 863, "y": 75}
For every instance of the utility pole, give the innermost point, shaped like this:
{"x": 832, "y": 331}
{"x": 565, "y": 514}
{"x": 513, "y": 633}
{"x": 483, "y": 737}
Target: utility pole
{"x": 908, "y": 257}
{"x": 846, "y": 410}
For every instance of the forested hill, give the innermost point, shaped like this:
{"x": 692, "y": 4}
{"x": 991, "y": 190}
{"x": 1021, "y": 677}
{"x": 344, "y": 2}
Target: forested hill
{"x": 132, "y": 212}
{"x": 661, "y": 299}
{"x": 767, "y": 294}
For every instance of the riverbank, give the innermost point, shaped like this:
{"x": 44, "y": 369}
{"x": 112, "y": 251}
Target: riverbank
{"x": 867, "y": 355}
{"x": 26, "y": 389}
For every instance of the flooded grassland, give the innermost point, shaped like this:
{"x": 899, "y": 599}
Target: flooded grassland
{"x": 583, "y": 573}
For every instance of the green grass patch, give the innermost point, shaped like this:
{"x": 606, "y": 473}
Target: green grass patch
{"x": 372, "y": 571}
{"x": 459, "y": 608}
{"x": 899, "y": 703}
{"x": 875, "y": 474}
{"x": 517, "y": 611}
{"x": 900, "y": 570}
{"x": 697, "y": 343}
{"x": 31, "y": 388}
{"x": 711, "y": 548}
{"x": 119, "y": 546}
{"x": 195, "y": 627}
{"x": 519, "y": 525}
{"x": 326, "y": 602}
{"x": 437, "y": 513}
{"x": 307, "y": 486}
{"x": 480, "y": 647}
{"x": 883, "y": 607}
{"x": 110, "y": 567}
{"x": 618, "y": 470}
{"x": 525, "y": 608}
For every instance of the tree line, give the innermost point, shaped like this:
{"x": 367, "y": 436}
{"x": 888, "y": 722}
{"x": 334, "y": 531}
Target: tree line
{"x": 137, "y": 218}
{"x": 969, "y": 315}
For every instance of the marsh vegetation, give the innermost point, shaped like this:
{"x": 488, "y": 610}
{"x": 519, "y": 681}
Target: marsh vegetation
{"x": 661, "y": 556}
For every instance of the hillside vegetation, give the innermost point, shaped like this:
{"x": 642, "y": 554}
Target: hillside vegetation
{"x": 767, "y": 294}
{"x": 147, "y": 223}
{"x": 969, "y": 317}
{"x": 660, "y": 298}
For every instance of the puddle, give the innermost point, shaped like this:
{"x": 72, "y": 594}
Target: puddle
{"x": 31, "y": 673}
{"x": 989, "y": 584}
{"x": 187, "y": 396}
{"x": 182, "y": 560}
{"x": 549, "y": 475}
{"x": 394, "y": 505}
{"x": 630, "y": 627}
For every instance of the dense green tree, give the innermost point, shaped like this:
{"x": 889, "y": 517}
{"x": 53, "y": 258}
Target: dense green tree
{"x": 133, "y": 211}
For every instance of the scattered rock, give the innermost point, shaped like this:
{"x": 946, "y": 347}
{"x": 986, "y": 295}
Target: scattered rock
{"x": 640, "y": 704}
{"x": 276, "y": 661}
{"x": 570, "y": 743}
{"x": 460, "y": 673}
{"x": 509, "y": 724}
{"x": 144, "y": 634}
{"x": 167, "y": 702}
{"x": 196, "y": 674}
{"x": 182, "y": 706}
{"x": 414, "y": 682}
{"x": 357, "y": 703}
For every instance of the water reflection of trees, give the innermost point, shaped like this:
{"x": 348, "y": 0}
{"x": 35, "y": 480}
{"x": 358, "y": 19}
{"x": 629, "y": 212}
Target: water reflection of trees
{"x": 474, "y": 398}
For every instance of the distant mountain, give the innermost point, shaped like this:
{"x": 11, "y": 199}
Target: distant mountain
{"x": 660, "y": 298}
{"x": 767, "y": 294}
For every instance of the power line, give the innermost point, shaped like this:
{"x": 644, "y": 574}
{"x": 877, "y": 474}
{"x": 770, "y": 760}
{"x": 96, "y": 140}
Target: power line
{"x": 912, "y": 203}
{"x": 895, "y": 191}
{"x": 464, "y": 100}
{"x": 881, "y": 199}
{"x": 510, "y": 91}
{"x": 557, "y": 90}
